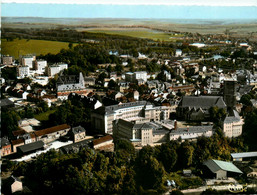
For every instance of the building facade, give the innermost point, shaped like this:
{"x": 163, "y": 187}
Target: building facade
{"x": 23, "y": 71}
{"x": 140, "y": 111}
{"x": 233, "y": 125}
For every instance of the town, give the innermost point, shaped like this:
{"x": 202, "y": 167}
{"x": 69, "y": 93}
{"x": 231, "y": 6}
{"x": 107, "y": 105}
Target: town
{"x": 186, "y": 110}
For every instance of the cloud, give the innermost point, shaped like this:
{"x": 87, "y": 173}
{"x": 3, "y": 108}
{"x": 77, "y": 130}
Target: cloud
{"x": 145, "y": 2}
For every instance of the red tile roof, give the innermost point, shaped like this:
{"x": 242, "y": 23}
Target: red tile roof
{"x": 52, "y": 130}
{"x": 19, "y": 132}
{"x": 102, "y": 140}
{"x": 17, "y": 141}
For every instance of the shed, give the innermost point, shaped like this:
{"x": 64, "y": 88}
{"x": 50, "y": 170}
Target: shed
{"x": 240, "y": 156}
{"x": 29, "y": 148}
{"x": 220, "y": 168}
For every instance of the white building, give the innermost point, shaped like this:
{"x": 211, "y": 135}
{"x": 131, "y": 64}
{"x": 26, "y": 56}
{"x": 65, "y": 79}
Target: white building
{"x": 191, "y": 133}
{"x": 22, "y": 71}
{"x": 232, "y": 125}
{"x": 140, "y": 75}
{"x": 56, "y": 68}
{"x": 40, "y": 66}
{"x": 28, "y": 61}
{"x": 178, "y": 52}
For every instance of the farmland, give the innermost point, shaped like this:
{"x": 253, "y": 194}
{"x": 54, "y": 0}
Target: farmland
{"x": 19, "y": 47}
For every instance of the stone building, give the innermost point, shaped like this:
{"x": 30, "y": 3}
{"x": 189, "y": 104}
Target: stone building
{"x": 70, "y": 84}
{"x": 196, "y": 108}
{"x": 140, "y": 134}
{"x": 140, "y": 111}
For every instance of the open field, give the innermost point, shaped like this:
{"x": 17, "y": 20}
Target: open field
{"x": 239, "y": 27}
{"x": 22, "y": 47}
{"x": 134, "y": 32}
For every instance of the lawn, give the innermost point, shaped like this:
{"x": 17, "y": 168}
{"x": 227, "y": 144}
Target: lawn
{"x": 22, "y": 47}
{"x": 44, "y": 116}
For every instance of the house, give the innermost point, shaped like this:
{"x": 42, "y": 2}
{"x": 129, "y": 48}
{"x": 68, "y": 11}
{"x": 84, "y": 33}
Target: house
{"x": 233, "y": 125}
{"x": 89, "y": 81}
{"x": 103, "y": 143}
{"x": 16, "y": 143}
{"x": 22, "y": 71}
{"x": 52, "y": 133}
{"x": 11, "y": 185}
{"x": 7, "y": 60}
{"x": 30, "y": 148}
{"x": 6, "y": 147}
{"x": 220, "y": 169}
{"x": 78, "y": 134}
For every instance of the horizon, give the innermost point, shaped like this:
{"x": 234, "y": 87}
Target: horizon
{"x": 115, "y": 11}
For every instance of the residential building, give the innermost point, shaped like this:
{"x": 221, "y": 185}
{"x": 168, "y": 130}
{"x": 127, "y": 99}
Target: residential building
{"x": 52, "y": 133}
{"x": 56, "y": 68}
{"x": 101, "y": 118}
{"x": 16, "y": 143}
{"x": 70, "y": 84}
{"x": 196, "y": 108}
{"x": 191, "y": 133}
{"x": 78, "y": 134}
{"x": 28, "y": 61}
{"x": 23, "y": 71}
{"x": 104, "y": 143}
{"x": 6, "y": 147}
{"x": 134, "y": 77}
{"x": 89, "y": 81}
{"x": 7, "y": 60}
{"x": 233, "y": 125}
{"x": 40, "y": 66}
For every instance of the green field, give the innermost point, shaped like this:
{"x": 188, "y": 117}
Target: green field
{"x": 135, "y": 32}
{"x": 22, "y": 47}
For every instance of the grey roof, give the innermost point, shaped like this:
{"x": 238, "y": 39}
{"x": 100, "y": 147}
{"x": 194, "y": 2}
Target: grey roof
{"x": 192, "y": 129}
{"x": 76, "y": 146}
{"x": 216, "y": 165}
{"x": 4, "y": 142}
{"x": 111, "y": 109}
{"x": 160, "y": 132}
{"x": 124, "y": 123}
{"x": 231, "y": 119}
{"x": 32, "y": 146}
{"x": 202, "y": 101}
{"x": 244, "y": 155}
{"x": 142, "y": 126}
{"x": 77, "y": 129}
{"x": 6, "y": 102}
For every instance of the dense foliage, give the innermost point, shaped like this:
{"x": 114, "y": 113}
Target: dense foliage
{"x": 124, "y": 171}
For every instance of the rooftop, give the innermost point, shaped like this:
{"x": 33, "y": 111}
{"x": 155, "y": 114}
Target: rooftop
{"x": 52, "y": 129}
{"x": 216, "y": 165}
{"x": 244, "y": 155}
{"x": 32, "y": 146}
{"x": 102, "y": 140}
{"x": 202, "y": 101}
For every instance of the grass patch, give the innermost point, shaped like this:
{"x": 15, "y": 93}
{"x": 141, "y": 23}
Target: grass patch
{"x": 45, "y": 115}
{"x": 19, "y": 47}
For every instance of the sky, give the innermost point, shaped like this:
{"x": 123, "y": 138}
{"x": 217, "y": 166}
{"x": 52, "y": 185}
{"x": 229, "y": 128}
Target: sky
{"x": 170, "y": 9}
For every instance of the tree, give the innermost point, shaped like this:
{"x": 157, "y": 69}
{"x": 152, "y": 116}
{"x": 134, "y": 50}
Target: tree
{"x": 9, "y": 122}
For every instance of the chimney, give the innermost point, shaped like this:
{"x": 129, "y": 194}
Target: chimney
{"x": 175, "y": 125}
